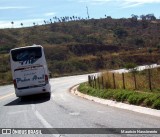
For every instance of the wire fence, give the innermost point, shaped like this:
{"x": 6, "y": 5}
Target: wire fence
{"x": 147, "y": 80}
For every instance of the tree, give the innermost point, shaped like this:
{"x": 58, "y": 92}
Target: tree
{"x": 150, "y": 50}
{"x": 150, "y": 17}
{"x": 130, "y": 65}
{"x": 139, "y": 41}
{"x": 12, "y": 23}
{"x": 34, "y": 23}
{"x": 44, "y": 22}
{"x": 59, "y": 20}
{"x": 22, "y": 24}
{"x": 55, "y": 18}
{"x": 121, "y": 33}
{"x": 143, "y": 17}
{"x": 51, "y": 21}
{"x": 100, "y": 62}
{"x": 158, "y": 47}
{"x": 134, "y": 17}
{"x": 73, "y": 17}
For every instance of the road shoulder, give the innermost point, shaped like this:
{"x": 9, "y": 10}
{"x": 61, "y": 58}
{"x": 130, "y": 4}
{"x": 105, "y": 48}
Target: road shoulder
{"x": 121, "y": 105}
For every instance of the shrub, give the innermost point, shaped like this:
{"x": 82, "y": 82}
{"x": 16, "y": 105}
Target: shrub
{"x": 136, "y": 98}
{"x": 118, "y": 95}
{"x": 156, "y": 104}
{"x": 150, "y": 100}
{"x": 109, "y": 94}
{"x": 140, "y": 99}
{"x": 133, "y": 99}
{"x": 121, "y": 33}
{"x": 125, "y": 95}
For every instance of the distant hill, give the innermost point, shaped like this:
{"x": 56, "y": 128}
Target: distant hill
{"x": 87, "y": 45}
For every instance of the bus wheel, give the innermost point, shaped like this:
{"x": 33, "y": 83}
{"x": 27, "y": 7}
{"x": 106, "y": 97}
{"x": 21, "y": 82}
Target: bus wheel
{"x": 22, "y": 98}
{"x": 48, "y": 95}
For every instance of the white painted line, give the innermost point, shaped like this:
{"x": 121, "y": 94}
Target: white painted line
{"x": 74, "y": 113}
{"x": 134, "y": 108}
{"x": 16, "y": 112}
{"x": 40, "y": 117}
{"x": 101, "y": 112}
{"x": 43, "y": 121}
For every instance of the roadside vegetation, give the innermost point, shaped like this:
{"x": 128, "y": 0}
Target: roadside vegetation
{"x": 77, "y": 46}
{"x": 136, "y": 87}
{"x": 146, "y": 99}
{"x": 146, "y": 81}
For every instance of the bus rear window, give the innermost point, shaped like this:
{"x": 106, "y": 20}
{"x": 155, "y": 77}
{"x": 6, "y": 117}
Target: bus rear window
{"x": 24, "y": 54}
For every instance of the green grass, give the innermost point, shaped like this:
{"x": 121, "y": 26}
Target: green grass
{"x": 5, "y": 78}
{"x": 146, "y": 99}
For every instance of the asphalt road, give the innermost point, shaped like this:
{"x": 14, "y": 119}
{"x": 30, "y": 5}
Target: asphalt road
{"x": 65, "y": 110}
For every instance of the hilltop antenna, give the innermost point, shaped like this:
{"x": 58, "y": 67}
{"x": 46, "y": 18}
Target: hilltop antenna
{"x": 87, "y": 12}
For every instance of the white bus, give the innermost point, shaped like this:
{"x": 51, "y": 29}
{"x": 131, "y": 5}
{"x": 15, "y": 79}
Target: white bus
{"x": 29, "y": 71}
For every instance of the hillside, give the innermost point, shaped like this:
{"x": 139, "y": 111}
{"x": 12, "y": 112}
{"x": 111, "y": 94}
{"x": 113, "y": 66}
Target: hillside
{"x": 86, "y": 45}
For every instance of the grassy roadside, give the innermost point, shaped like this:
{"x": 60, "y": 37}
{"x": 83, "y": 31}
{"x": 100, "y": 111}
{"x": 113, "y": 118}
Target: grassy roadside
{"x": 151, "y": 100}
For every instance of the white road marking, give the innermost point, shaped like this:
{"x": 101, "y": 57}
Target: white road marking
{"x": 40, "y": 117}
{"x": 16, "y": 112}
{"x": 43, "y": 121}
{"x": 101, "y": 112}
{"x": 74, "y": 113}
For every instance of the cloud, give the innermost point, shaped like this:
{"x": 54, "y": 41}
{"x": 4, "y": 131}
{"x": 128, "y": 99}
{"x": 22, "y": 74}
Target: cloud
{"x": 131, "y": 4}
{"x": 134, "y": 3}
{"x": 141, "y": 1}
{"x": 13, "y": 7}
{"x": 49, "y": 14}
{"x": 123, "y": 3}
{"x": 94, "y": 2}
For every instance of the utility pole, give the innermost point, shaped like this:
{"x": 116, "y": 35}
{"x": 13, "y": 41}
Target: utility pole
{"x": 87, "y": 12}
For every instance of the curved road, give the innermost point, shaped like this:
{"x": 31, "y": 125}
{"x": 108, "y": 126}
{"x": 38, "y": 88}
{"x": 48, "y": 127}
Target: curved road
{"x": 65, "y": 110}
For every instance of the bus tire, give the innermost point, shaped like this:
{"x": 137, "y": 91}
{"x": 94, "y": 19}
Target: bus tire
{"x": 48, "y": 95}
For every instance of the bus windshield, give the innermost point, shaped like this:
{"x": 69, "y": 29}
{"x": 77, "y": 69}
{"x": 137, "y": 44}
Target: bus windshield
{"x": 24, "y": 54}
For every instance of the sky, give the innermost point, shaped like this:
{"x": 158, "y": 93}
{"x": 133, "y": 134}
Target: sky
{"x": 29, "y": 11}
